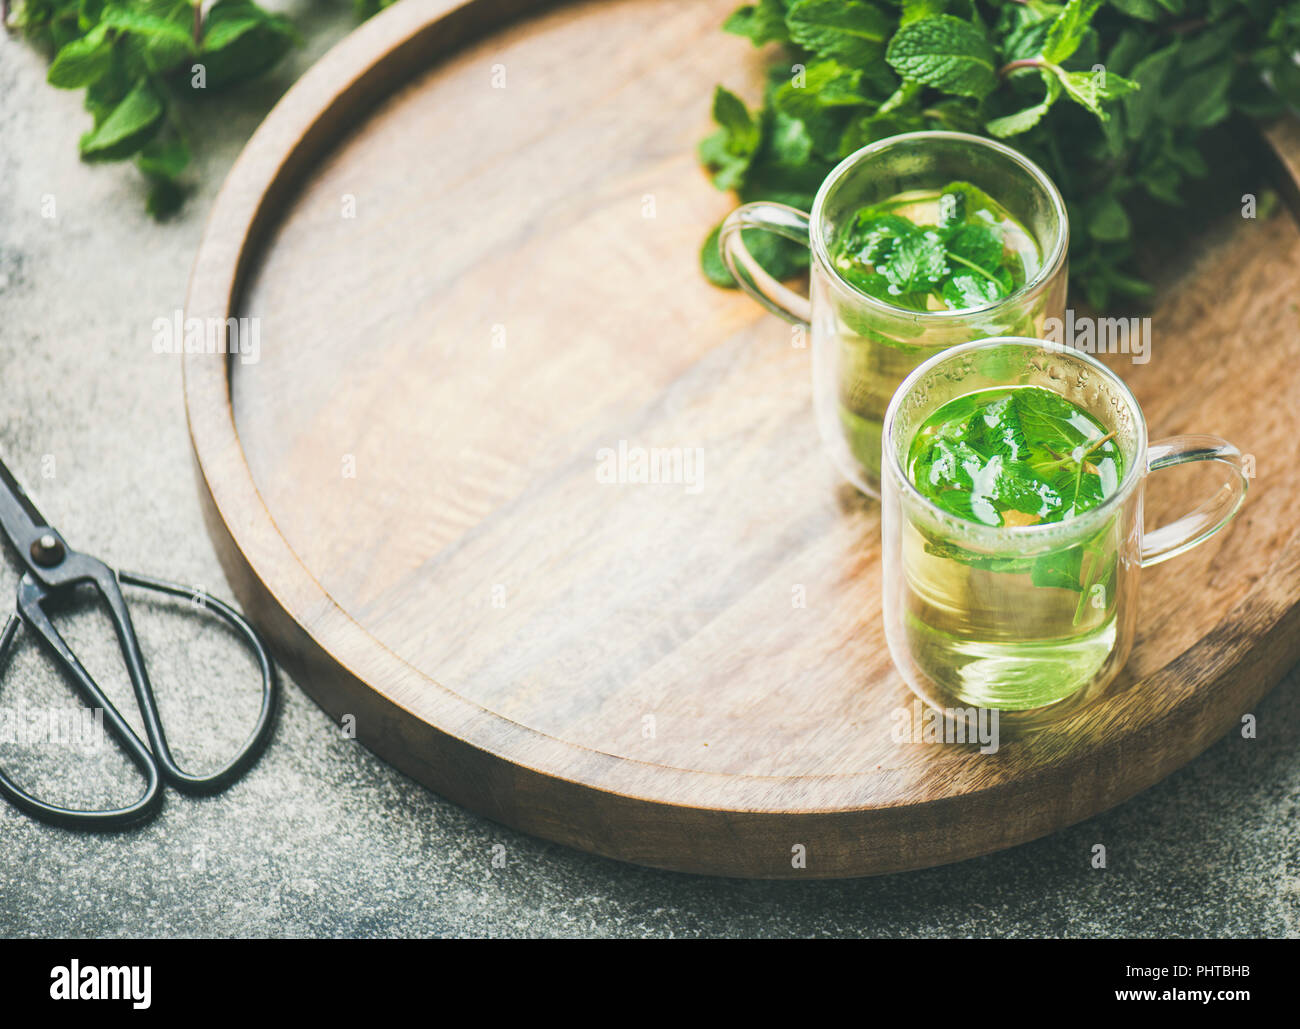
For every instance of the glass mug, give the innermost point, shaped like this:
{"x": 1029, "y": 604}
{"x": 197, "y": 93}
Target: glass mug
{"x": 863, "y": 347}
{"x": 1036, "y": 620}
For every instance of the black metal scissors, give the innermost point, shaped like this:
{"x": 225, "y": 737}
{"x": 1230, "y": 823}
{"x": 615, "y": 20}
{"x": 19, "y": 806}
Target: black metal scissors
{"x": 53, "y": 570}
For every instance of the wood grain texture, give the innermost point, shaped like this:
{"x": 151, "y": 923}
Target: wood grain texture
{"x": 502, "y": 623}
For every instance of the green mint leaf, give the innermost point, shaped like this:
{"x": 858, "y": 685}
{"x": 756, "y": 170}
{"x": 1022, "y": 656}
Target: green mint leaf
{"x": 1026, "y": 39}
{"x": 1189, "y": 159}
{"x": 953, "y": 464}
{"x": 917, "y": 263}
{"x": 955, "y": 114}
{"x": 164, "y": 159}
{"x": 901, "y": 97}
{"x": 870, "y": 282}
{"x": 1014, "y": 454}
{"x": 1201, "y": 99}
{"x": 1213, "y": 44}
{"x": 1016, "y": 487}
{"x": 915, "y": 10}
{"x": 1068, "y": 30}
{"x": 821, "y": 86}
{"x": 1045, "y": 416}
{"x": 1092, "y": 89}
{"x": 851, "y": 31}
{"x": 157, "y": 34}
{"x": 127, "y": 127}
{"x": 783, "y": 184}
{"x": 1149, "y": 74}
{"x": 369, "y": 8}
{"x": 150, "y": 26}
{"x": 872, "y": 238}
{"x": 967, "y": 289}
{"x": 996, "y": 431}
{"x": 947, "y": 53}
{"x": 1162, "y": 180}
{"x": 977, "y": 245}
{"x": 1143, "y": 10}
{"x": 1061, "y": 569}
{"x": 83, "y": 61}
{"x": 1129, "y": 48}
{"x": 227, "y": 30}
{"x": 760, "y": 23}
{"x": 1026, "y": 119}
{"x": 730, "y": 151}
{"x": 742, "y": 132}
{"x": 789, "y": 142}
{"x": 165, "y": 198}
{"x": 781, "y": 258}
{"x": 714, "y": 267}
{"x": 1108, "y": 220}
{"x": 250, "y": 51}
{"x": 969, "y": 203}
{"x": 728, "y": 168}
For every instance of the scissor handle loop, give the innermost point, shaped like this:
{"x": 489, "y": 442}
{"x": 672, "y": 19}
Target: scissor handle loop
{"x": 76, "y": 818}
{"x": 257, "y": 739}
{"x": 155, "y": 760}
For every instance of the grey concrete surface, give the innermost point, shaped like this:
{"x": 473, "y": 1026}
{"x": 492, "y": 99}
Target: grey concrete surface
{"x": 324, "y": 839}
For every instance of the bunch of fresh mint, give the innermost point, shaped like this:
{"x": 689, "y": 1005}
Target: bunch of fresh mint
{"x": 140, "y": 60}
{"x": 1111, "y": 99}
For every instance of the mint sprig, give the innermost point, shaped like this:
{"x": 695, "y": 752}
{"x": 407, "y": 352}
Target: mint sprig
{"x": 147, "y": 65}
{"x": 1112, "y": 98}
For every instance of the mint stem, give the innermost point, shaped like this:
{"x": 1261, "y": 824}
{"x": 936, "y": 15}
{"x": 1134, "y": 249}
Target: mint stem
{"x": 971, "y": 265}
{"x": 1025, "y": 63}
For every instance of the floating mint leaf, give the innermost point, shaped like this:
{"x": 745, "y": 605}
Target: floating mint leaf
{"x": 1016, "y": 488}
{"x": 995, "y": 430}
{"x": 918, "y": 262}
{"x": 967, "y": 289}
{"x": 978, "y": 245}
{"x": 872, "y": 237}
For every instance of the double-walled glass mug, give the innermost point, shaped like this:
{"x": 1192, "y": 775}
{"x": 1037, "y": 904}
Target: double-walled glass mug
{"x": 863, "y": 347}
{"x": 1032, "y": 620}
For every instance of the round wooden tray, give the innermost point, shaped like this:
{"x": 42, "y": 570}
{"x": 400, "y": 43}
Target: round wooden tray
{"x": 470, "y": 236}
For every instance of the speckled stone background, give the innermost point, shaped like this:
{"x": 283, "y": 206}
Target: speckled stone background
{"x": 322, "y": 838}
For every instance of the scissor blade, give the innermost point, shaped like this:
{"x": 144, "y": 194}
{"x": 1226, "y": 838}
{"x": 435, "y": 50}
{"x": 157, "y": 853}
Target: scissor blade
{"x": 18, "y": 515}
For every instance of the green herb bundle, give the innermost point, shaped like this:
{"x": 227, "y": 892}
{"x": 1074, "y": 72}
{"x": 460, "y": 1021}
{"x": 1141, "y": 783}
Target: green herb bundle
{"x": 1111, "y": 99}
{"x": 140, "y": 60}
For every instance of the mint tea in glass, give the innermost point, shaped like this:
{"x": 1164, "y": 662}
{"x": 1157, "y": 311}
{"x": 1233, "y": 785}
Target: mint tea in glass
{"x": 919, "y": 242}
{"x": 1012, "y": 525}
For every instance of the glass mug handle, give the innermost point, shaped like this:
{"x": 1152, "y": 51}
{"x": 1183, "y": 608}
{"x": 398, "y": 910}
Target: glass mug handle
{"x": 1204, "y": 521}
{"x": 785, "y": 221}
